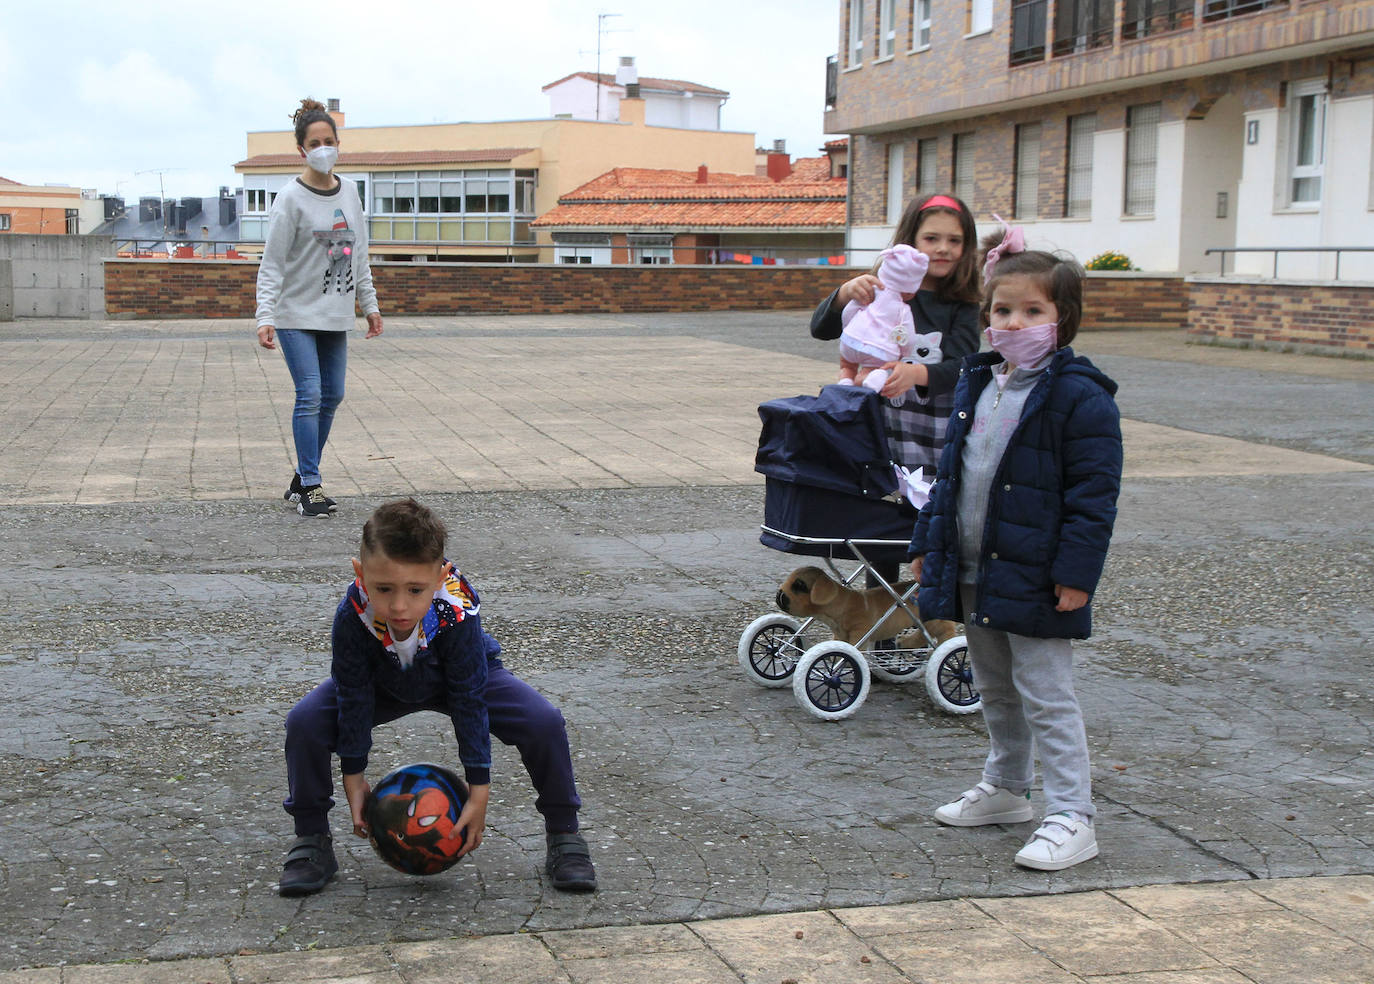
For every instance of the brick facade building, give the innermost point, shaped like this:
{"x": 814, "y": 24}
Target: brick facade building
{"x": 1157, "y": 128}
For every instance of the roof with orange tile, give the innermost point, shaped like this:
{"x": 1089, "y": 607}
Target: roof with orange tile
{"x": 628, "y": 196}
{"x": 645, "y": 82}
{"x": 396, "y": 157}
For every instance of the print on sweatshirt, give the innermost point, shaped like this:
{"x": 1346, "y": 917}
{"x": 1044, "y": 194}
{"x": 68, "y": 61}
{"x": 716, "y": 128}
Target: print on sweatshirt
{"x": 338, "y": 245}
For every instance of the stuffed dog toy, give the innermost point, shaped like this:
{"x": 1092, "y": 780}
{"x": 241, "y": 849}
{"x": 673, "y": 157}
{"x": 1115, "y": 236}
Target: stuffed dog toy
{"x": 850, "y": 613}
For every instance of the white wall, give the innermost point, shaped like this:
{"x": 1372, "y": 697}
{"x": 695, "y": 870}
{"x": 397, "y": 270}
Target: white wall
{"x": 577, "y": 98}
{"x": 1150, "y": 242}
{"x": 1342, "y": 219}
{"x": 1211, "y": 164}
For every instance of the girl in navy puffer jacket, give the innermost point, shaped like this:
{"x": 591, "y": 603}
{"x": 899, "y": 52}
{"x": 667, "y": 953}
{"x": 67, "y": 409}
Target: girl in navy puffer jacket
{"x": 1014, "y": 539}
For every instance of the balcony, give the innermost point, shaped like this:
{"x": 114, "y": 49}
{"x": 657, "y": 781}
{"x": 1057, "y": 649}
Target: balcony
{"x": 1081, "y": 25}
{"x": 1145, "y": 18}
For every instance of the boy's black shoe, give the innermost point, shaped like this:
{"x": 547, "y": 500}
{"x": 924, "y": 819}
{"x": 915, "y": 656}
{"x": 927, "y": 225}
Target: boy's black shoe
{"x": 313, "y": 501}
{"x": 569, "y": 863}
{"x": 293, "y": 493}
{"x": 309, "y": 865}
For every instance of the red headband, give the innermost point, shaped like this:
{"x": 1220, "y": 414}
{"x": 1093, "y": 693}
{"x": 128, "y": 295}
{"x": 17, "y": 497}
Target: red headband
{"x": 941, "y": 201}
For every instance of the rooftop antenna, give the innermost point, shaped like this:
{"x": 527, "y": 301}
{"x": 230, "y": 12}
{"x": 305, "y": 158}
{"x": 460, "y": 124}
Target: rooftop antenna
{"x": 161, "y": 195}
{"x": 601, "y": 30}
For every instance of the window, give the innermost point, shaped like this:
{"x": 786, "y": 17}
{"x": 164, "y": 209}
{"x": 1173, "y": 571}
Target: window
{"x": 963, "y": 166}
{"x": 895, "y": 182}
{"x": 1027, "y": 31}
{"x": 887, "y": 28}
{"x": 926, "y": 155}
{"x": 920, "y": 24}
{"x": 1080, "y": 25}
{"x": 4, "y": 222}
{"x": 474, "y": 192}
{"x": 1142, "y": 18}
{"x": 256, "y": 200}
{"x": 1142, "y": 150}
{"x": 856, "y": 32}
{"x": 1028, "y": 171}
{"x": 1078, "y": 192}
{"x": 575, "y": 257}
{"x": 73, "y": 222}
{"x": 1306, "y": 141}
{"x": 980, "y": 16}
{"x": 1225, "y": 9}
{"x": 650, "y": 248}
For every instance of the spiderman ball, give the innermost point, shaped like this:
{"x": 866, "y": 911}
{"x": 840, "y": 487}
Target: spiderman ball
{"x": 411, "y": 816}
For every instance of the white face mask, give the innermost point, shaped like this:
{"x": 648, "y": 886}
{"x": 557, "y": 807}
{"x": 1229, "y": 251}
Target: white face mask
{"x": 322, "y": 159}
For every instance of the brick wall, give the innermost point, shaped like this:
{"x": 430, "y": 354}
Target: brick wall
{"x": 1132, "y": 300}
{"x": 1316, "y": 317}
{"x": 226, "y": 289}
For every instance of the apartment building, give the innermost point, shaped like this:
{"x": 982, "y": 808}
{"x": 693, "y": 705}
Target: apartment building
{"x": 1156, "y": 128}
{"x": 45, "y": 210}
{"x": 470, "y": 191}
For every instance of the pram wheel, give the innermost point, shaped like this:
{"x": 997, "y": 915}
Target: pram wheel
{"x": 831, "y": 680}
{"x": 949, "y": 678}
{"x": 769, "y": 649}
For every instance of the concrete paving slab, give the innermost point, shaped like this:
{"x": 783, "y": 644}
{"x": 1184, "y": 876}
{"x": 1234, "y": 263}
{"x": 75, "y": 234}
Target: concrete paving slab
{"x": 158, "y": 640}
{"x": 1094, "y": 935}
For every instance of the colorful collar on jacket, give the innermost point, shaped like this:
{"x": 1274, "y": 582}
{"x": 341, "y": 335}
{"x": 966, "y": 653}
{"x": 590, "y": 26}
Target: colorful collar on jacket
{"x": 458, "y": 597}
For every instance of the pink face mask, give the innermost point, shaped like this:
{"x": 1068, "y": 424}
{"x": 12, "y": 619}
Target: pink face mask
{"x": 1025, "y": 346}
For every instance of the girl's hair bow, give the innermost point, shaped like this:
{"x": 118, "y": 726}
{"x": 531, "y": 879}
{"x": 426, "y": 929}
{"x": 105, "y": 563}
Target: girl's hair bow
{"x": 1013, "y": 241}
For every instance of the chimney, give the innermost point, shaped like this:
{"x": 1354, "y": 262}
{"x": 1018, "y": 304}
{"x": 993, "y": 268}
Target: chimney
{"x": 335, "y": 113}
{"x": 779, "y": 165}
{"x": 701, "y": 174}
{"x": 632, "y": 110}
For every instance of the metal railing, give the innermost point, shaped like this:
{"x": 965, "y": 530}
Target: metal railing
{"x": 1276, "y": 250}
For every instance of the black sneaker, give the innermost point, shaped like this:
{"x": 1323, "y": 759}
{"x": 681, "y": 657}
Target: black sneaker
{"x": 293, "y": 493}
{"x": 313, "y": 501}
{"x": 569, "y": 863}
{"x": 310, "y": 864}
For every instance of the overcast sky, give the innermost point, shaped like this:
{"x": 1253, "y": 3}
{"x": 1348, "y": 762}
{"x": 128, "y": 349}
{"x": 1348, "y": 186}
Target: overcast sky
{"x": 104, "y": 95}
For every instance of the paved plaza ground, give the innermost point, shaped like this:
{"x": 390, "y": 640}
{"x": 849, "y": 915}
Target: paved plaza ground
{"x": 166, "y": 609}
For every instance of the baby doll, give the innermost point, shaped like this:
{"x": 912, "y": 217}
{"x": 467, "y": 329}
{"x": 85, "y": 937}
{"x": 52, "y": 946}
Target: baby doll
{"x": 884, "y": 330}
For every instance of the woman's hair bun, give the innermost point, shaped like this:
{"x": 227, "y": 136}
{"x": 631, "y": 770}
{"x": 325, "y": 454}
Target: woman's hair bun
{"x": 308, "y": 105}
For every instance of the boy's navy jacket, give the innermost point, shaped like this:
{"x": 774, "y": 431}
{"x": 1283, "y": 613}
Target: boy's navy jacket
{"x": 449, "y": 670}
{"x": 1050, "y": 509}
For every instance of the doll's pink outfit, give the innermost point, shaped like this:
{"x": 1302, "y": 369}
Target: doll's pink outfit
{"x": 884, "y": 331}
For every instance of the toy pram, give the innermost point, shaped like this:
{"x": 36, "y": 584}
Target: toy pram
{"x": 831, "y": 491}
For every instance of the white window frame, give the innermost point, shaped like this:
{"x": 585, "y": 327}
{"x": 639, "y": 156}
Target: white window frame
{"x": 896, "y": 160}
{"x": 1142, "y": 159}
{"x": 6, "y": 222}
{"x": 979, "y": 17}
{"x": 1078, "y": 167}
{"x": 1027, "y": 205}
{"x": 856, "y": 33}
{"x": 1298, "y": 92}
{"x": 965, "y": 178}
{"x": 887, "y": 28}
{"x": 927, "y": 160}
{"x": 920, "y": 21}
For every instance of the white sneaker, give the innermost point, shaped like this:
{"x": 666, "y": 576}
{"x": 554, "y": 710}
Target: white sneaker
{"x": 986, "y": 803}
{"x": 1061, "y": 842}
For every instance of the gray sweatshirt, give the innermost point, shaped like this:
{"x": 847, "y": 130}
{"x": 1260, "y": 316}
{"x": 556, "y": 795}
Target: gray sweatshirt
{"x": 315, "y": 261}
{"x": 994, "y": 419}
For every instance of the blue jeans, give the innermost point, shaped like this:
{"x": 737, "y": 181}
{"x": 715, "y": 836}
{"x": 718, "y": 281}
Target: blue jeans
{"x": 317, "y": 361}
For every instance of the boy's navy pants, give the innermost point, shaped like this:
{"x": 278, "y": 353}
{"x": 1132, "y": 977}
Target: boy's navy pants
{"x": 518, "y": 714}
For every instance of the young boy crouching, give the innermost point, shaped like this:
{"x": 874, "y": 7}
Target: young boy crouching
{"x": 407, "y": 637}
